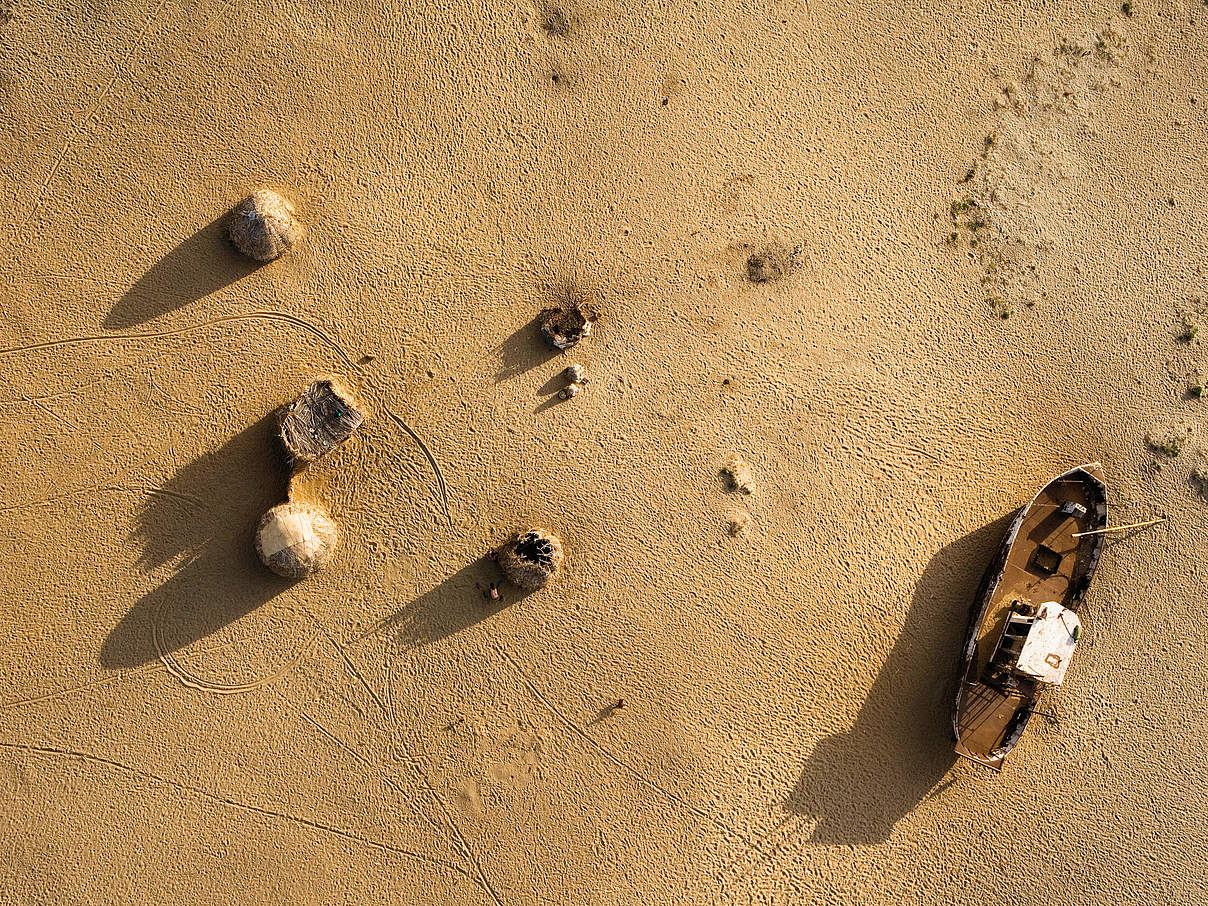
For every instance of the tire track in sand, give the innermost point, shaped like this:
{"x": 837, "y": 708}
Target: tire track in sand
{"x": 757, "y": 847}
{"x": 78, "y": 127}
{"x": 110, "y": 487}
{"x": 450, "y": 821}
{"x": 441, "y": 485}
{"x": 281, "y": 316}
{"x": 88, "y": 757}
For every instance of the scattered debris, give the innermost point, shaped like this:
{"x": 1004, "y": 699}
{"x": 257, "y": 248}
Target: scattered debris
{"x": 263, "y": 227}
{"x": 769, "y": 264}
{"x": 738, "y": 474}
{"x": 1169, "y": 443}
{"x": 1011, "y": 213}
{"x": 737, "y": 524}
{"x": 567, "y": 392}
{"x": 529, "y": 559}
{"x": 575, "y": 374}
{"x": 318, "y": 421}
{"x": 296, "y": 539}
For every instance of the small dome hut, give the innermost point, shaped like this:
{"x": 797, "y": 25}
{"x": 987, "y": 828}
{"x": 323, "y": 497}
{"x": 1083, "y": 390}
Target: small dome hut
{"x": 530, "y": 559}
{"x": 263, "y": 227}
{"x": 296, "y": 539}
{"x": 565, "y": 325}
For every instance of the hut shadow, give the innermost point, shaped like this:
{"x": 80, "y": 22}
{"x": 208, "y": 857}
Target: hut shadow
{"x": 857, "y": 785}
{"x": 552, "y": 401}
{"x": 523, "y": 351}
{"x": 553, "y": 385}
{"x": 202, "y": 264}
{"x": 454, "y": 605}
{"x": 205, "y": 515}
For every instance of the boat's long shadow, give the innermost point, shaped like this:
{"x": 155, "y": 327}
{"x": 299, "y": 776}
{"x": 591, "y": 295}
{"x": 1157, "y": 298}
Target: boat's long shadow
{"x": 858, "y": 784}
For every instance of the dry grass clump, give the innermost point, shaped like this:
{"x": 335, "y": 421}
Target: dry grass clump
{"x": 530, "y": 559}
{"x": 554, "y": 22}
{"x": 296, "y": 539}
{"x": 318, "y": 421}
{"x": 1199, "y": 481}
{"x": 772, "y": 262}
{"x": 1192, "y": 316}
{"x": 263, "y": 227}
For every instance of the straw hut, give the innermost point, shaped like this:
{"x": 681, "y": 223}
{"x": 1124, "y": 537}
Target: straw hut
{"x": 530, "y": 559}
{"x": 263, "y": 227}
{"x": 565, "y": 325}
{"x": 296, "y": 539}
{"x": 318, "y": 421}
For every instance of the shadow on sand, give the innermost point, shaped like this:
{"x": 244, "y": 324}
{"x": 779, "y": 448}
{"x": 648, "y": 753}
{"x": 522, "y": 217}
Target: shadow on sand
{"x": 455, "y": 604}
{"x": 858, "y": 784}
{"x": 523, "y": 351}
{"x": 202, "y": 264}
{"x": 221, "y": 578}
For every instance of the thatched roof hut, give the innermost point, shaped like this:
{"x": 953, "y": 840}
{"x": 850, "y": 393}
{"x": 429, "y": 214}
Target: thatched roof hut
{"x": 263, "y": 227}
{"x": 296, "y": 539}
{"x": 530, "y": 559}
{"x": 323, "y": 417}
{"x": 565, "y": 325}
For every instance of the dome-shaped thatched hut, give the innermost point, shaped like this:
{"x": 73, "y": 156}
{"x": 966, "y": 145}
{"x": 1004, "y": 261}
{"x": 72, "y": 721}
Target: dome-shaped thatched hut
{"x": 296, "y": 539}
{"x": 530, "y": 559}
{"x": 263, "y": 227}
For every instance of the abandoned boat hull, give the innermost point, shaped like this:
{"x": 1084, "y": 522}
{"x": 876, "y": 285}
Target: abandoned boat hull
{"x": 1039, "y": 561}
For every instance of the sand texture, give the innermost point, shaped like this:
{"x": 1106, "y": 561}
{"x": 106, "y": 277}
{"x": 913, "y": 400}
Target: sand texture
{"x": 903, "y": 262}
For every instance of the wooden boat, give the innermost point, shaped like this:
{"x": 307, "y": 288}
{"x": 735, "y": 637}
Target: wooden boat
{"x": 1023, "y": 624}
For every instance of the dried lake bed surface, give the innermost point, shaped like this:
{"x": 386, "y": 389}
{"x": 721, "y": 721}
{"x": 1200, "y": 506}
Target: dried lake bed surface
{"x": 864, "y": 277}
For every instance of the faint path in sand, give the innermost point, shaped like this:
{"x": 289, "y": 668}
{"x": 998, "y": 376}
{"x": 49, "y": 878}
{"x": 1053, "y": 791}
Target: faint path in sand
{"x": 226, "y": 801}
{"x": 285, "y": 317}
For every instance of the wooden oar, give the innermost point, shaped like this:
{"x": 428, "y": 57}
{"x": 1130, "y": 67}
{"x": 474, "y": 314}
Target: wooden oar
{"x": 1120, "y": 528}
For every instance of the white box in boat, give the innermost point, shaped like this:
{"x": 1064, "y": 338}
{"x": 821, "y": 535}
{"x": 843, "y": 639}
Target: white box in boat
{"x": 1050, "y": 644}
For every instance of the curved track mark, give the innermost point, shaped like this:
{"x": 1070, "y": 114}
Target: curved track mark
{"x": 95, "y": 684}
{"x": 296, "y": 321}
{"x": 48, "y": 751}
{"x": 187, "y": 678}
{"x": 673, "y": 797}
{"x": 440, "y": 478}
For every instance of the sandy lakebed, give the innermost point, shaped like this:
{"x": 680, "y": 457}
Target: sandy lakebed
{"x": 902, "y": 261}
